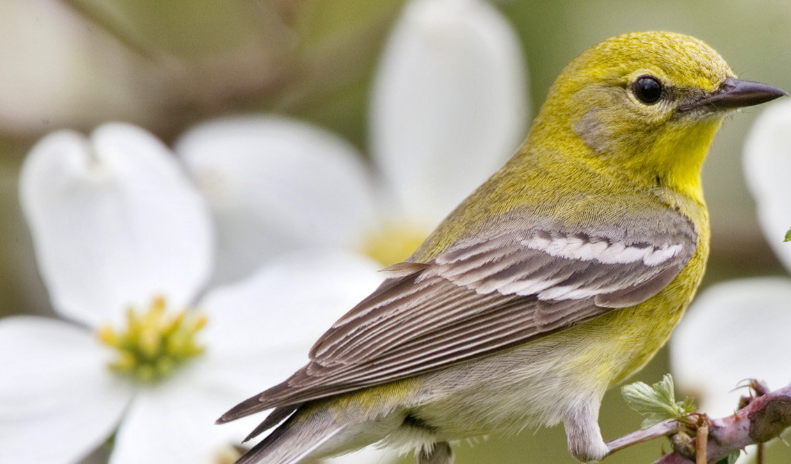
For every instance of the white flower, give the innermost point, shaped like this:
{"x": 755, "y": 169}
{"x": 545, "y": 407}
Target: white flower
{"x": 116, "y": 224}
{"x": 274, "y": 185}
{"x": 448, "y": 108}
{"x": 449, "y": 104}
{"x": 738, "y": 330}
{"x": 58, "y": 70}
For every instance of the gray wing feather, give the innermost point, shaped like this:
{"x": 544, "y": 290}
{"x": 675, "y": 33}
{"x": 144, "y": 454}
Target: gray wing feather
{"x": 487, "y": 293}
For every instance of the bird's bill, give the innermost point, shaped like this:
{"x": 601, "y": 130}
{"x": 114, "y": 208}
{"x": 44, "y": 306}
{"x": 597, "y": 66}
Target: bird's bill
{"x": 735, "y": 93}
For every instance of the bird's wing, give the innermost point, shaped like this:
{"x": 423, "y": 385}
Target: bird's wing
{"x": 485, "y": 293}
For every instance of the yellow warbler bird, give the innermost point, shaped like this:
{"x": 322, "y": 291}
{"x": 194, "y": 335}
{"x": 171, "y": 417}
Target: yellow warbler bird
{"x": 559, "y": 277}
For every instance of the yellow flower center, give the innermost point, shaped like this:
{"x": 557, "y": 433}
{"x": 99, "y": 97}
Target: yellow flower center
{"x": 154, "y": 343}
{"x": 393, "y": 243}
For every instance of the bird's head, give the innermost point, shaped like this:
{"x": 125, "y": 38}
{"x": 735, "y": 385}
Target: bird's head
{"x": 650, "y": 102}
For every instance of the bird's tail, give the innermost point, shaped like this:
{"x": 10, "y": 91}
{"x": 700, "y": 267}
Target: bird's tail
{"x": 303, "y": 435}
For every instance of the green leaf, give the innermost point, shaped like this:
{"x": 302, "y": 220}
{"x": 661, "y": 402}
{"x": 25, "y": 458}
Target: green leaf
{"x": 730, "y": 459}
{"x": 788, "y": 236}
{"x": 656, "y": 402}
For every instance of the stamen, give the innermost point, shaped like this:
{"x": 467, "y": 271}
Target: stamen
{"x": 154, "y": 343}
{"x": 393, "y": 243}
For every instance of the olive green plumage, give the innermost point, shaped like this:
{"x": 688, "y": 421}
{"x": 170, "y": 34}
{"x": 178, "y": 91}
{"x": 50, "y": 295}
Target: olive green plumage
{"x": 560, "y": 276}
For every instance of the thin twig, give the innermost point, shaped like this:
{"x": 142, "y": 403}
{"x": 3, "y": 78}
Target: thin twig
{"x": 660, "y": 429}
{"x": 703, "y": 443}
{"x": 759, "y": 458}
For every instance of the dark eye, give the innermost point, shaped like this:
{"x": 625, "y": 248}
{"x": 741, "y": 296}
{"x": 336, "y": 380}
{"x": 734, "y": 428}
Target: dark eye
{"x": 647, "y": 89}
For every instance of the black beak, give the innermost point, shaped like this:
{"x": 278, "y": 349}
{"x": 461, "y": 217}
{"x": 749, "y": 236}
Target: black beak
{"x": 735, "y": 93}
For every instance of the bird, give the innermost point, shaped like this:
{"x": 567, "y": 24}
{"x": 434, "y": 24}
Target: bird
{"x": 559, "y": 277}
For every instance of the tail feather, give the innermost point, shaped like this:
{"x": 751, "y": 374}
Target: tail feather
{"x": 247, "y": 407}
{"x": 297, "y": 438}
{"x": 275, "y": 417}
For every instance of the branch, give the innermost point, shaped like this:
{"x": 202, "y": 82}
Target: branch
{"x": 763, "y": 418}
{"x": 665, "y": 428}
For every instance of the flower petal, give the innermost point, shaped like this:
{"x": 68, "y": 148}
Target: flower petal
{"x": 734, "y": 331}
{"x": 767, "y": 167}
{"x": 61, "y": 72}
{"x": 259, "y": 331}
{"x": 449, "y": 103}
{"x": 275, "y": 184}
{"x": 114, "y": 222}
{"x": 56, "y": 390}
{"x": 173, "y": 422}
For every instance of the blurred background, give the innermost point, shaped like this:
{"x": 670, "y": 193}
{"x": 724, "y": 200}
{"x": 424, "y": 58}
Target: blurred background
{"x": 166, "y": 65}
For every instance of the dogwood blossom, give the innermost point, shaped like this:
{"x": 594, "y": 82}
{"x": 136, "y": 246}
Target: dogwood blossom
{"x": 448, "y": 107}
{"x": 124, "y": 245}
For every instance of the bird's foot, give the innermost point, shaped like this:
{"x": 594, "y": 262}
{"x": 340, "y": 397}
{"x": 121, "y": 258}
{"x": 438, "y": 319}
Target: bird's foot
{"x": 589, "y": 452}
{"x": 582, "y": 432}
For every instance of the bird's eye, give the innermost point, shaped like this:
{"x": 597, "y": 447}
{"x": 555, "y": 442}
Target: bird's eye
{"x": 647, "y": 89}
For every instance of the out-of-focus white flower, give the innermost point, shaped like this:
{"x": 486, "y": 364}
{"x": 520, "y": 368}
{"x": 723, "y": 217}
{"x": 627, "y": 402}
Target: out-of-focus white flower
{"x": 57, "y": 70}
{"x": 275, "y": 184}
{"x": 739, "y": 329}
{"x": 119, "y": 229}
{"x": 734, "y": 331}
{"x": 448, "y": 107}
{"x": 767, "y": 169}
